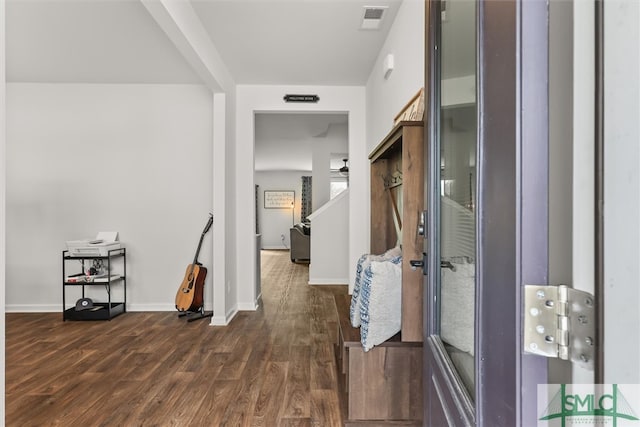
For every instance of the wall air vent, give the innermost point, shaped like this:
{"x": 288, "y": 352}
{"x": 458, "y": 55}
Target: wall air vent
{"x": 372, "y": 17}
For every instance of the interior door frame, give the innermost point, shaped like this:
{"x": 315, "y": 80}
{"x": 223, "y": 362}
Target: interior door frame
{"x": 512, "y": 215}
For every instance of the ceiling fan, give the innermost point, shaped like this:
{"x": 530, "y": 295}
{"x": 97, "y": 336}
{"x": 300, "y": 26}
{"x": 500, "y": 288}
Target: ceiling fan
{"x": 342, "y": 171}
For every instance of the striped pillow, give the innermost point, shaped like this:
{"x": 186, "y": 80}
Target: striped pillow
{"x": 381, "y": 302}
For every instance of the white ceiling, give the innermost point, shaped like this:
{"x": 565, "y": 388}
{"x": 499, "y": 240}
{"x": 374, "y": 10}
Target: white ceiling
{"x": 311, "y": 42}
{"x": 285, "y": 141}
{"x": 289, "y": 42}
{"x": 89, "y": 41}
{"x": 295, "y": 41}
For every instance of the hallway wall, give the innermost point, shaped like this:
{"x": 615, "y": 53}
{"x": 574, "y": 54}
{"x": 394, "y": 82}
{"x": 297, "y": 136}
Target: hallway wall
{"x": 622, "y": 192}
{"x": 277, "y": 222}
{"x": 86, "y": 158}
{"x": 387, "y": 97}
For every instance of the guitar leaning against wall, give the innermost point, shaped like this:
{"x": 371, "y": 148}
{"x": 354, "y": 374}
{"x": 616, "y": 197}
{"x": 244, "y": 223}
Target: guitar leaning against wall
{"x": 190, "y": 295}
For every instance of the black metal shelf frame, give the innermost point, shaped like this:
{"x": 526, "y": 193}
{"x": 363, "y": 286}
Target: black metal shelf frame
{"x": 109, "y": 309}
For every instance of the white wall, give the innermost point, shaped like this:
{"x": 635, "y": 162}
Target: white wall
{"x": 223, "y": 232}
{"x": 255, "y": 99}
{"x": 85, "y": 158}
{"x": 329, "y": 245}
{"x": 2, "y": 198}
{"x": 277, "y": 222}
{"x": 622, "y": 192}
{"x": 183, "y": 27}
{"x": 571, "y": 89}
{"x": 385, "y": 98}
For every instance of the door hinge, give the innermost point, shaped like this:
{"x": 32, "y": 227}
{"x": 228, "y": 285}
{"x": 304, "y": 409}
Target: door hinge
{"x": 559, "y": 321}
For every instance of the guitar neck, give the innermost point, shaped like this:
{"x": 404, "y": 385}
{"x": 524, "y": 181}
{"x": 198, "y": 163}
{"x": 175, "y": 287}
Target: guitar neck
{"x": 195, "y": 258}
{"x": 206, "y": 229}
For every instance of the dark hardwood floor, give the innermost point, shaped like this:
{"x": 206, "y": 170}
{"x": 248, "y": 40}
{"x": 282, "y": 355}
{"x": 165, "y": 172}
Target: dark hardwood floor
{"x": 271, "y": 367}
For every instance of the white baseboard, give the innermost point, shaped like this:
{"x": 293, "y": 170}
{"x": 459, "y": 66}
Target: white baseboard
{"x": 219, "y": 321}
{"x": 224, "y": 320}
{"x": 152, "y": 307}
{"x": 52, "y": 308}
{"x": 328, "y": 281}
{"x": 247, "y": 306}
{"x": 33, "y": 308}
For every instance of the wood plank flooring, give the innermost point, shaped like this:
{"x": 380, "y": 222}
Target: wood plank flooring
{"x": 271, "y": 367}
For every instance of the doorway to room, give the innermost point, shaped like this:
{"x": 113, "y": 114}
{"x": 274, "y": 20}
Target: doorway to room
{"x": 299, "y": 166}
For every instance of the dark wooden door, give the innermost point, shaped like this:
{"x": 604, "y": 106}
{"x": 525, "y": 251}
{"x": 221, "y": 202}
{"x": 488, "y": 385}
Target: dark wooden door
{"x": 487, "y": 204}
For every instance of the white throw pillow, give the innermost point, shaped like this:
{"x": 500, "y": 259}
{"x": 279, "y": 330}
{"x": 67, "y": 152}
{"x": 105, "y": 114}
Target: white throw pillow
{"x": 381, "y": 302}
{"x": 362, "y": 265}
{"x": 354, "y": 309}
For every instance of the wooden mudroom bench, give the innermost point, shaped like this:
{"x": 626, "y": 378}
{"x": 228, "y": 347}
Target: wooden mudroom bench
{"x": 382, "y": 386}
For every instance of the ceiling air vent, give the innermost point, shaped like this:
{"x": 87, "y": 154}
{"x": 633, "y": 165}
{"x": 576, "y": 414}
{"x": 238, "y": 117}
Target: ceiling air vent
{"x": 372, "y": 17}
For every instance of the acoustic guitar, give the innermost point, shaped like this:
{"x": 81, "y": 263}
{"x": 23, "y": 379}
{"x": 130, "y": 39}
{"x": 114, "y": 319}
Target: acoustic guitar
{"x": 190, "y": 296}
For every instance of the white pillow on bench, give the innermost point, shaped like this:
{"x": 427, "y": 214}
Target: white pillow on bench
{"x": 381, "y": 302}
{"x": 363, "y": 264}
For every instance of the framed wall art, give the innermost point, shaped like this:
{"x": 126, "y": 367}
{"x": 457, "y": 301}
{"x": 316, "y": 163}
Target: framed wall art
{"x": 279, "y": 199}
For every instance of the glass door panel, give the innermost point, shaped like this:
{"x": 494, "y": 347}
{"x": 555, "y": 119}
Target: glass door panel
{"x": 457, "y": 137}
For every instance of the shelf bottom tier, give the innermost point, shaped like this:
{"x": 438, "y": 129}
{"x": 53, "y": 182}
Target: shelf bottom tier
{"x": 100, "y": 311}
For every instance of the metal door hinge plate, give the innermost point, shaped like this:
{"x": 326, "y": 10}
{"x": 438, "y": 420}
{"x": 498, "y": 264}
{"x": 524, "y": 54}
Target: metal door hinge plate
{"x": 559, "y": 321}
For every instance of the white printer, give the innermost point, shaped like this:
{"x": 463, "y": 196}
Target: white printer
{"x": 100, "y": 246}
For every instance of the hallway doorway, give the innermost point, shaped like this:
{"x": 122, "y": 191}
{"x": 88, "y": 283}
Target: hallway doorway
{"x": 297, "y": 156}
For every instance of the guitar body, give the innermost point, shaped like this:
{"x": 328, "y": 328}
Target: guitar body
{"x": 190, "y": 295}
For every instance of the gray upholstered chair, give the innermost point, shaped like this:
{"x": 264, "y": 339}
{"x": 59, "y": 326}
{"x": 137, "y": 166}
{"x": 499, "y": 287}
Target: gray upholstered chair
{"x": 300, "y": 237}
